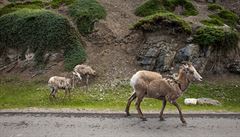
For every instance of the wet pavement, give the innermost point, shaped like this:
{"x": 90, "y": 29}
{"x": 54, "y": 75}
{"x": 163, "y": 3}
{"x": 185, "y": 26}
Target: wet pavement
{"x": 86, "y": 125}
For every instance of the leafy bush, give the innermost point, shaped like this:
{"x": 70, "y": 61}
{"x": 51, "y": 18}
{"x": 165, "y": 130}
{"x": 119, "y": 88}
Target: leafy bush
{"x": 74, "y": 56}
{"x": 214, "y": 7}
{"x": 57, "y": 3}
{"x": 212, "y": 22}
{"x": 86, "y": 13}
{"x": 218, "y": 38}
{"x": 153, "y": 6}
{"x": 15, "y": 6}
{"x": 40, "y": 31}
{"x": 151, "y": 23}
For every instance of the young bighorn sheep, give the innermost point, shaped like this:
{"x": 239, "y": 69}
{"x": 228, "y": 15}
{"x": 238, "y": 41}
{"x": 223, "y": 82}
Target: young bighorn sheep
{"x": 67, "y": 84}
{"x": 147, "y": 85}
{"x": 85, "y": 71}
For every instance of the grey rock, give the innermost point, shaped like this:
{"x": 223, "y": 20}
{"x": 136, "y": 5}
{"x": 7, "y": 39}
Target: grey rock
{"x": 208, "y": 101}
{"x": 234, "y": 67}
{"x": 148, "y": 61}
{"x": 152, "y": 52}
{"x": 187, "y": 53}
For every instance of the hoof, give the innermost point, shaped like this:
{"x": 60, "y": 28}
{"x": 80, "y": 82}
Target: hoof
{"x": 184, "y": 123}
{"x": 127, "y": 114}
{"x": 144, "y": 119}
{"x": 162, "y": 119}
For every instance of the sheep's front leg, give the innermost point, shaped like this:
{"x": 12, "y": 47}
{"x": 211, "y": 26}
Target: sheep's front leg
{"x": 164, "y": 102}
{"x": 131, "y": 98}
{"x": 180, "y": 112}
{"x": 137, "y": 104}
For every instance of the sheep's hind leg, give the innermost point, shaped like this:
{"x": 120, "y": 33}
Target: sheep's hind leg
{"x": 180, "y": 112}
{"x": 131, "y": 98}
{"x": 52, "y": 92}
{"x": 137, "y": 104}
{"x": 164, "y": 102}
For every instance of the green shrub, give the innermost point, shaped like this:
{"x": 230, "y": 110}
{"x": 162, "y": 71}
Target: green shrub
{"x": 218, "y": 38}
{"x": 57, "y": 3}
{"x": 151, "y": 23}
{"x": 148, "y": 8}
{"x": 190, "y": 10}
{"x": 226, "y": 16}
{"x": 15, "y": 6}
{"x": 214, "y": 7}
{"x": 153, "y": 6}
{"x": 86, "y": 13}
{"x": 74, "y": 56}
{"x": 187, "y": 4}
{"x": 212, "y": 22}
{"x": 40, "y": 31}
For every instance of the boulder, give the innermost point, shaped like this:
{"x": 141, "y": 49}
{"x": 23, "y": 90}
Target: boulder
{"x": 208, "y": 101}
{"x": 190, "y": 101}
{"x": 187, "y": 53}
{"x": 234, "y": 67}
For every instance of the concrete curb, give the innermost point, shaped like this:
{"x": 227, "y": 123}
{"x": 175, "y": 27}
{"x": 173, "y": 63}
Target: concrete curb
{"x": 119, "y": 115}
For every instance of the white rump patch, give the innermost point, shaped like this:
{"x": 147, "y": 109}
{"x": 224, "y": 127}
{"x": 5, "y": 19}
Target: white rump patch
{"x": 134, "y": 79}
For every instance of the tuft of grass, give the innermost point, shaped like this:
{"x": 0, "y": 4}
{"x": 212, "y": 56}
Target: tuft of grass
{"x": 15, "y": 6}
{"x": 26, "y": 94}
{"x": 56, "y": 3}
{"x": 214, "y": 7}
{"x": 86, "y": 13}
{"x": 153, "y": 6}
{"x": 218, "y": 38}
{"x": 39, "y": 31}
{"x": 212, "y": 22}
{"x": 151, "y": 23}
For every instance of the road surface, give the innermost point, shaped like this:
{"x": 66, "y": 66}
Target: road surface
{"x": 85, "y": 125}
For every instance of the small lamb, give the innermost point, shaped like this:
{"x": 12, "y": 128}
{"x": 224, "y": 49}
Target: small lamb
{"x": 67, "y": 84}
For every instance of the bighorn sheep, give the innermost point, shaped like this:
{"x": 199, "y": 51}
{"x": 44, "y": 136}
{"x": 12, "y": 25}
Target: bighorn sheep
{"x": 145, "y": 84}
{"x": 57, "y": 82}
{"x": 85, "y": 71}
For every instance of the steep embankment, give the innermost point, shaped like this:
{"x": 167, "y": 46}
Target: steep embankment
{"x": 111, "y": 47}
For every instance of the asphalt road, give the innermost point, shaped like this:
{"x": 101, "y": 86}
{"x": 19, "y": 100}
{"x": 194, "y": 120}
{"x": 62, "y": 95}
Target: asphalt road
{"x": 85, "y": 125}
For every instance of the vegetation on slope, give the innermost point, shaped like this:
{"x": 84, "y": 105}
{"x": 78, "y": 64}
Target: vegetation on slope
{"x": 226, "y": 16}
{"x": 151, "y": 23}
{"x": 212, "y": 22}
{"x": 40, "y": 31}
{"x": 214, "y": 7}
{"x": 57, "y": 3}
{"x": 220, "y": 39}
{"x": 15, "y": 6}
{"x": 153, "y": 6}
{"x": 86, "y": 13}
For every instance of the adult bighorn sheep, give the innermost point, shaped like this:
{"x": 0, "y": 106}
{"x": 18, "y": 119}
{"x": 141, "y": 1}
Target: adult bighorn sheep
{"x": 67, "y": 84}
{"x": 85, "y": 71}
{"x": 152, "y": 85}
